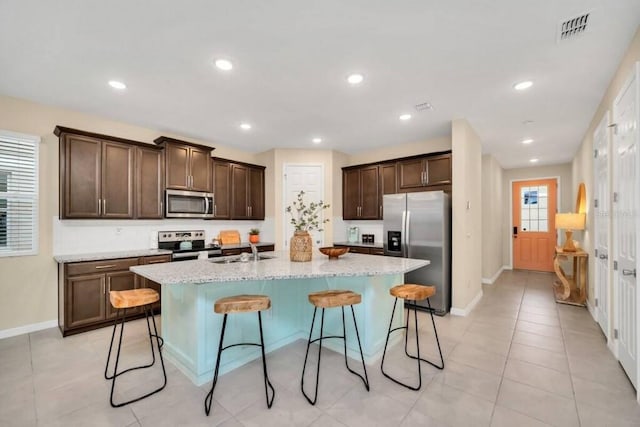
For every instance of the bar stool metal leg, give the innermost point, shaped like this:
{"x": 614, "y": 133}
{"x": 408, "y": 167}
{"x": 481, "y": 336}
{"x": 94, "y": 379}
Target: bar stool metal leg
{"x": 120, "y": 315}
{"x": 406, "y": 337}
{"x": 364, "y": 379}
{"x": 267, "y": 383}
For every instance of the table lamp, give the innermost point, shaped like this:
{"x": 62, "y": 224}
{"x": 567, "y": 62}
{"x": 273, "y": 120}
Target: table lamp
{"x": 570, "y": 222}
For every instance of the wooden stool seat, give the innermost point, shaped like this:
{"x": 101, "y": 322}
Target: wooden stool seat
{"x": 334, "y": 298}
{"x": 413, "y": 292}
{"x": 133, "y": 297}
{"x": 242, "y": 304}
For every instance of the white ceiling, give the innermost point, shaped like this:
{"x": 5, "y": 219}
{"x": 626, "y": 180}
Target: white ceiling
{"x": 291, "y": 59}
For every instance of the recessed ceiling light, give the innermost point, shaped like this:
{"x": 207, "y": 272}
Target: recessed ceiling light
{"x": 533, "y": 160}
{"x": 117, "y": 85}
{"x": 224, "y": 64}
{"x": 527, "y": 141}
{"x": 405, "y": 117}
{"x": 316, "y": 140}
{"x": 355, "y": 79}
{"x": 245, "y": 126}
{"x": 523, "y": 85}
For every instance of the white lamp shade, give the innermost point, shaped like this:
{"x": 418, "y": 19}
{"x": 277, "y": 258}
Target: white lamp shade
{"x": 570, "y": 221}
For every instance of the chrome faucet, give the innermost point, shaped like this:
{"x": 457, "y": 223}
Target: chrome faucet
{"x": 254, "y": 251}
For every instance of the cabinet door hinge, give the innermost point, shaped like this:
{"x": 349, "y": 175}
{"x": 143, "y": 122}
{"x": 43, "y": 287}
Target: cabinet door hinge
{"x": 615, "y": 128}
{"x": 596, "y": 302}
{"x": 615, "y": 265}
{"x": 615, "y": 334}
{"x": 595, "y": 153}
{"x": 596, "y": 253}
{"x": 615, "y": 196}
{"x": 595, "y": 203}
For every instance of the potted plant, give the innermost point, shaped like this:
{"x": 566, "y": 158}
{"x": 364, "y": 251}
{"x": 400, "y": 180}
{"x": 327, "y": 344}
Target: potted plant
{"x": 254, "y": 235}
{"x": 304, "y": 218}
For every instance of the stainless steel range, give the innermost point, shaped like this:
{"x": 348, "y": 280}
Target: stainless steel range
{"x": 186, "y": 245}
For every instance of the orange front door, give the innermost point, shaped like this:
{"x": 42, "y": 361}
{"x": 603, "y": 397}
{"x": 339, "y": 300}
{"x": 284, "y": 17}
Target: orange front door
{"x": 533, "y": 228}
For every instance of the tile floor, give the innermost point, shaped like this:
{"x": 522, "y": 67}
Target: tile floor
{"x": 519, "y": 359}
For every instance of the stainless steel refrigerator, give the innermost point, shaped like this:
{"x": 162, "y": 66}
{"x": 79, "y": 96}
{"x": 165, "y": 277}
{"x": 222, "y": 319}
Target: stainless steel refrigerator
{"x": 418, "y": 225}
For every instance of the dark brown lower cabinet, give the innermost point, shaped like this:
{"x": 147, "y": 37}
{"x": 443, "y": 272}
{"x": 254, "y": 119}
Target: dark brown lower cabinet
{"x": 83, "y": 291}
{"x": 238, "y": 251}
{"x": 363, "y": 250}
{"x": 146, "y": 283}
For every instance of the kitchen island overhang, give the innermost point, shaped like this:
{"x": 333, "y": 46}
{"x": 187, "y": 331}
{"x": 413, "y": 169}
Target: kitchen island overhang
{"x": 191, "y": 329}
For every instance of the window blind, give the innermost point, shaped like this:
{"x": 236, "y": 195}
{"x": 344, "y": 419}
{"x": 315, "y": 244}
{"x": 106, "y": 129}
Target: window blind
{"x": 18, "y": 194}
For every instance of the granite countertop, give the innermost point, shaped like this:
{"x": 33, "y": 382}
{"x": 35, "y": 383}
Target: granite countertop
{"x": 280, "y": 267}
{"x": 364, "y": 245}
{"x": 98, "y": 256}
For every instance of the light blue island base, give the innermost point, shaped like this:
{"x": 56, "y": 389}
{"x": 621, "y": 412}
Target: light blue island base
{"x": 191, "y": 329}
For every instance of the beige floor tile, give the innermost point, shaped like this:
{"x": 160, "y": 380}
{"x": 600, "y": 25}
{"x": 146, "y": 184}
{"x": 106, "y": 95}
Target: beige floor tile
{"x": 325, "y": 420}
{"x": 537, "y": 376}
{"x": 101, "y": 414}
{"x": 454, "y": 407}
{"x": 360, "y": 408}
{"x": 290, "y": 409}
{"x": 539, "y": 356}
{"x": 488, "y": 344}
{"x": 504, "y": 333}
{"x": 538, "y": 329}
{"x": 591, "y": 416}
{"x": 505, "y": 417}
{"x": 416, "y": 418}
{"x": 471, "y": 356}
{"x": 540, "y": 311}
{"x": 539, "y": 404}
{"x": 470, "y": 380}
{"x": 535, "y": 340}
{"x": 613, "y": 400}
{"x": 542, "y": 319}
{"x": 603, "y": 370}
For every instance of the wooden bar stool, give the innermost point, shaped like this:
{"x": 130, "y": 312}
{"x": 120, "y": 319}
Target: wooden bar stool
{"x": 241, "y": 304}
{"x": 123, "y": 300}
{"x": 330, "y": 299}
{"x": 412, "y": 293}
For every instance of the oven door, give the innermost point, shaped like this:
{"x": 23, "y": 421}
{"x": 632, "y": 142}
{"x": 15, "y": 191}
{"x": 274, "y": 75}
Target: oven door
{"x": 188, "y": 204}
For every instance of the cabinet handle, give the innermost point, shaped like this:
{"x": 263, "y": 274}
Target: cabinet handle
{"x": 103, "y": 288}
{"x": 98, "y": 267}
{"x": 156, "y": 262}
{"x": 380, "y": 211}
{"x": 215, "y": 210}
{"x": 104, "y": 206}
{"x": 426, "y": 174}
{"x": 161, "y": 209}
{"x": 99, "y": 207}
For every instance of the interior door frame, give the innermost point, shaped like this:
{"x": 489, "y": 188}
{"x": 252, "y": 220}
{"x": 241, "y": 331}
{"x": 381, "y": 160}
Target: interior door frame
{"x": 285, "y": 166}
{"x": 510, "y": 229}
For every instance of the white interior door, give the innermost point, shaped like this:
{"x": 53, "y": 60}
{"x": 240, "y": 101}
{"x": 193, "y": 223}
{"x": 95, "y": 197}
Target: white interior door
{"x": 625, "y": 152}
{"x": 308, "y": 178}
{"x": 602, "y": 220}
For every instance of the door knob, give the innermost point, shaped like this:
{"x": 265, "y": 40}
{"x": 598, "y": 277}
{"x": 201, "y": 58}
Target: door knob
{"x": 626, "y": 272}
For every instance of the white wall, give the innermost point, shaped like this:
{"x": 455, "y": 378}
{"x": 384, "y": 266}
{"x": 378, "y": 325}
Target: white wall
{"x": 493, "y": 200}
{"x": 466, "y": 207}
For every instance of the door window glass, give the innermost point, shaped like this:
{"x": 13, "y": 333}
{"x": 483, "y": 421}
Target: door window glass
{"x": 533, "y": 208}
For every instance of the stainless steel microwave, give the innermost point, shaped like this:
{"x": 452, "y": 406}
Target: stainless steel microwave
{"x": 188, "y": 204}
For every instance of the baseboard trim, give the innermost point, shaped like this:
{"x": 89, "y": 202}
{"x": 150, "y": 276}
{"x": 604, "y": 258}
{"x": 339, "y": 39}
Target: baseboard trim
{"x": 20, "y": 330}
{"x": 493, "y": 278}
{"x": 465, "y": 311}
{"x": 592, "y": 311}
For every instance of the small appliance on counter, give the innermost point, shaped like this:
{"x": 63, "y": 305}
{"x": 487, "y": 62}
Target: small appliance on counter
{"x": 353, "y": 235}
{"x": 187, "y": 245}
{"x": 368, "y": 238}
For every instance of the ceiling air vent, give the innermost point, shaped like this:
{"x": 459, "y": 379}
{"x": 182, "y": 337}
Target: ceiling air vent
{"x": 573, "y": 27}
{"x": 424, "y": 106}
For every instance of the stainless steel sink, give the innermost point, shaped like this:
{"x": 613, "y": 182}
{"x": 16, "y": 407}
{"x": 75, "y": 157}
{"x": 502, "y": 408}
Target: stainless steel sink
{"x": 231, "y": 260}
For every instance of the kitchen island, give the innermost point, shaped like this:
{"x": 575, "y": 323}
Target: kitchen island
{"x": 191, "y": 329}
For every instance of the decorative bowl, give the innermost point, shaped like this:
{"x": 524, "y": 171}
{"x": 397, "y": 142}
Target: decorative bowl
{"x": 332, "y": 252}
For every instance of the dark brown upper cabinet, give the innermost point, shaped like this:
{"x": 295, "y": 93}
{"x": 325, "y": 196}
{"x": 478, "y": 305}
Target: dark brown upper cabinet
{"x": 418, "y": 173}
{"x": 387, "y": 174}
{"x": 149, "y": 183}
{"x": 221, "y": 189}
{"x": 96, "y": 176}
{"x": 187, "y": 165}
{"x": 360, "y": 193}
{"x": 239, "y": 190}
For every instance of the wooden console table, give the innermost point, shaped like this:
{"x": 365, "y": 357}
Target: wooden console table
{"x": 571, "y": 289}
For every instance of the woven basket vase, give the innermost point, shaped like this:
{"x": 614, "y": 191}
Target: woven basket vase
{"x": 300, "y": 246}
